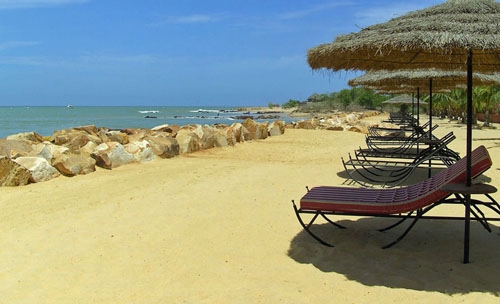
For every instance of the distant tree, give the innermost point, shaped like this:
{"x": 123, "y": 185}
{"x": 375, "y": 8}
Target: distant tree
{"x": 314, "y": 98}
{"x": 291, "y": 104}
{"x": 345, "y": 97}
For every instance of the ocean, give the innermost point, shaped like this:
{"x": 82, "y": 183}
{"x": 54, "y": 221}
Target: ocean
{"x": 45, "y": 120}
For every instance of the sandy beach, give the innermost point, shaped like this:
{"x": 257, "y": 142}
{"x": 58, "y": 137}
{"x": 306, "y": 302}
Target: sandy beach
{"x": 217, "y": 226}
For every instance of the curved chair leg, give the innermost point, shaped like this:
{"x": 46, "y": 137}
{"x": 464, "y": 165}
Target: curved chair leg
{"x": 306, "y": 227}
{"x": 397, "y": 223}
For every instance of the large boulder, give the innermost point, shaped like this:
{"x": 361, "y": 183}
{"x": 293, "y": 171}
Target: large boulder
{"x": 111, "y": 155}
{"x": 163, "y": 145}
{"x": 140, "y": 150}
{"x": 12, "y": 173}
{"x": 30, "y": 137}
{"x": 39, "y": 167}
{"x": 188, "y": 141}
{"x": 75, "y": 138}
{"x": 14, "y": 148}
{"x": 118, "y": 136}
{"x": 48, "y": 150}
{"x": 71, "y": 165}
{"x": 255, "y": 130}
{"x": 276, "y": 128}
{"x": 220, "y": 138}
{"x": 310, "y": 124}
{"x": 206, "y": 135}
{"x": 88, "y": 149}
{"x": 239, "y": 132}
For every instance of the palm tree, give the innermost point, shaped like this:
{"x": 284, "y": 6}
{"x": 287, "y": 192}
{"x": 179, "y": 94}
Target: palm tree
{"x": 484, "y": 97}
{"x": 452, "y": 104}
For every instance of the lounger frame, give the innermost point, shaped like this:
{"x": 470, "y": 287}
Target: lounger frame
{"x": 410, "y": 202}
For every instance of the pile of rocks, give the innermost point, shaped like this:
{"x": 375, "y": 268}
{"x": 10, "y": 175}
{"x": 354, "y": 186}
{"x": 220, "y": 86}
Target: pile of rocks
{"x": 339, "y": 122}
{"x": 30, "y": 158}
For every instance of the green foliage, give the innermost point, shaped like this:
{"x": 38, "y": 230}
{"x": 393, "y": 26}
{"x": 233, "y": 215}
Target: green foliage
{"x": 354, "y": 98}
{"x": 291, "y": 104}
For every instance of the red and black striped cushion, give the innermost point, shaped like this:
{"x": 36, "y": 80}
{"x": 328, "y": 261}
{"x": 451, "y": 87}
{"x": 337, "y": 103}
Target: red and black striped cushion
{"x": 395, "y": 200}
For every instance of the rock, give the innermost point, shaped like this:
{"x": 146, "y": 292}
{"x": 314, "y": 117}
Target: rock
{"x": 12, "y": 173}
{"x": 358, "y": 129}
{"x": 163, "y": 145}
{"x": 74, "y": 139}
{"x": 220, "y": 139}
{"x": 48, "y": 151}
{"x": 89, "y": 129}
{"x": 239, "y": 132}
{"x": 39, "y": 168}
{"x": 188, "y": 141}
{"x": 309, "y": 124}
{"x": 71, "y": 165}
{"x": 206, "y": 135}
{"x": 276, "y": 128}
{"x": 140, "y": 150}
{"x": 30, "y": 137}
{"x": 117, "y": 136}
{"x": 111, "y": 155}
{"x": 335, "y": 128}
{"x": 88, "y": 148}
{"x": 255, "y": 130}
{"x": 14, "y": 148}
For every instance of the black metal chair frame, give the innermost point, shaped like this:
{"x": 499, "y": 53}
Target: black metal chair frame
{"x": 390, "y": 172}
{"x": 414, "y": 215}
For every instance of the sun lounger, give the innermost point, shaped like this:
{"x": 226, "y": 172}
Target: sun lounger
{"x": 402, "y": 203}
{"x": 399, "y": 142}
{"x": 386, "y": 169}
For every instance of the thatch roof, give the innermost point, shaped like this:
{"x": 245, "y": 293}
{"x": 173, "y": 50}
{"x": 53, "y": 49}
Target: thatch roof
{"x": 410, "y": 80}
{"x": 403, "y": 99}
{"x": 405, "y": 89}
{"x": 439, "y": 36}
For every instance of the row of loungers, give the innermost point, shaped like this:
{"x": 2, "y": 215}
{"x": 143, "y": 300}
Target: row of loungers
{"x": 405, "y": 203}
{"x": 390, "y": 160}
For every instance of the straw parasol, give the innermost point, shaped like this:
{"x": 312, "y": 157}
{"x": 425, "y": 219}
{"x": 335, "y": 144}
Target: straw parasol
{"x": 439, "y": 37}
{"x": 432, "y": 80}
{"x": 400, "y": 99}
{"x": 441, "y": 80}
{"x": 444, "y": 36}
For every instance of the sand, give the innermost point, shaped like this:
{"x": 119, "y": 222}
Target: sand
{"x": 217, "y": 226}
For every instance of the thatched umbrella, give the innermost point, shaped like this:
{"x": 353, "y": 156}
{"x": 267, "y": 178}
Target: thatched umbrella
{"x": 444, "y": 36}
{"x": 420, "y": 78}
{"x": 429, "y": 79}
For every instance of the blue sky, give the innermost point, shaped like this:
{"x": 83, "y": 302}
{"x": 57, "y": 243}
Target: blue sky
{"x": 183, "y": 52}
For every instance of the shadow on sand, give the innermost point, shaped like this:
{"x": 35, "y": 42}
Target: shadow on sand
{"x": 429, "y": 258}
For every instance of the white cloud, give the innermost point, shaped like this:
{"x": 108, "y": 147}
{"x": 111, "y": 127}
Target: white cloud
{"x": 189, "y": 19}
{"x": 15, "y": 44}
{"x": 91, "y": 61}
{"x": 19, "y": 4}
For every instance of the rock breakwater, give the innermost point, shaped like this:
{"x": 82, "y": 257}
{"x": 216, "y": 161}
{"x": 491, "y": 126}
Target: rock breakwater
{"x": 30, "y": 158}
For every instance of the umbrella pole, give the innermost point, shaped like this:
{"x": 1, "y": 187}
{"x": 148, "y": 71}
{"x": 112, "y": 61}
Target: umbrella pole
{"x": 418, "y": 107}
{"x": 469, "y": 161}
{"x": 430, "y": 125}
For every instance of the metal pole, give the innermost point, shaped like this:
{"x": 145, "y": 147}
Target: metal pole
{"x": 468, "y": 155}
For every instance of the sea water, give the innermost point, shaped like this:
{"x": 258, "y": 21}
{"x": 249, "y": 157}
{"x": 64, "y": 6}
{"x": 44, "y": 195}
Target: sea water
{"x": 45, "y": 120}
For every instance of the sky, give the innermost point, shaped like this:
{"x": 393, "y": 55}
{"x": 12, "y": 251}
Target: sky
{"x": 173, "y": 53}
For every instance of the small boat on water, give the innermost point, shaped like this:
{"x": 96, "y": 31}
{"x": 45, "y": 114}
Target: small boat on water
{"x": 69, "y": 106}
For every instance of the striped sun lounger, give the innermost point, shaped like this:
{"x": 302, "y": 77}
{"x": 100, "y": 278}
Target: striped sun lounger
{"x": 395, "y": 202}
